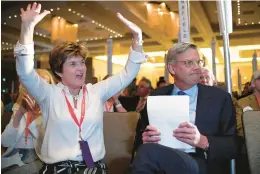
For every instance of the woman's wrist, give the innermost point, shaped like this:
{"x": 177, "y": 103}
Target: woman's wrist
{"x": 116, "y": 102}
{"x": 26, "y": 36}
{"x": 137, "y": 44}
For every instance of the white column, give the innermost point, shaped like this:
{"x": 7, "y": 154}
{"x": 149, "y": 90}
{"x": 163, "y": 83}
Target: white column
{"x": 184, "y": 13}
{"x": 254, "y": 62}
{"x": 225, "y": 24}
{"x": 166, "y": 73}
{"x": 239, "y": 84}
{"x": 109, "y": 56}
{"x": 213, "y": 49}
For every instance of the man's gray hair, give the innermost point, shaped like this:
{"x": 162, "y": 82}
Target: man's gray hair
{"x": 177, "y": 49}
{"x": 147, "y": 81}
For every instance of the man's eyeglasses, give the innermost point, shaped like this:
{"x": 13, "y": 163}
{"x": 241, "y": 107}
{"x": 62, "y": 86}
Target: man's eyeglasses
{"x": 190, "y": 63}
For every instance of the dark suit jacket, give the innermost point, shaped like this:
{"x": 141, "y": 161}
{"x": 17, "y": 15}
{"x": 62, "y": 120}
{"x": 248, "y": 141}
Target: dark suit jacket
{"x": 215, "y": 119}
{"x": 129, "y": 103}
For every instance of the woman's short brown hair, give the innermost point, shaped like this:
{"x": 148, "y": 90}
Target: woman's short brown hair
{"x": 61, "y": 52}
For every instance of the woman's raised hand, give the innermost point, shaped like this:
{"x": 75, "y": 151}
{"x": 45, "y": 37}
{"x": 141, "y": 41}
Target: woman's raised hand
{"x": 32, "y": 15}
{"x": 137, "y": 32}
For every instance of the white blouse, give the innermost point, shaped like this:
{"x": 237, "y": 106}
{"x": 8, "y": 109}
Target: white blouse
{"x": 61, "y": 136}
{"x": 15, "y": 137}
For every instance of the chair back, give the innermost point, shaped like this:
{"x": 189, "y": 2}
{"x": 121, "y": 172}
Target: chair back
{"x": 251, "y": 126}
{"x": 119, "y": 131}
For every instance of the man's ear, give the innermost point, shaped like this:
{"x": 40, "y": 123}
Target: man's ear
{"x": 171, "y": 68}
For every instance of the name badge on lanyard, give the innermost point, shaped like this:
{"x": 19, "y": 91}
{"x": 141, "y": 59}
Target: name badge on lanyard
{"x": 83, "y": 144}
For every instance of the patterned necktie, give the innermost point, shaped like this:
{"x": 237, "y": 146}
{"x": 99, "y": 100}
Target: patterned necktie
{"x": 141, "y": 104}
{"x": 181, "y": 93}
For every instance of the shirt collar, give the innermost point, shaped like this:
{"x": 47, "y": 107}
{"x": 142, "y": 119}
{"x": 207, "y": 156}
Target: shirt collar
{"x": 192, "y": 92}
{"x": 66, "y": 89}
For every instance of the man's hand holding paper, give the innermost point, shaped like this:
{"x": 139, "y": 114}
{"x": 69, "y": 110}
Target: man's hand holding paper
{"x": 166, "y": 113}
{"x": 188, "y": 133}
{"x": 151, "y": 135}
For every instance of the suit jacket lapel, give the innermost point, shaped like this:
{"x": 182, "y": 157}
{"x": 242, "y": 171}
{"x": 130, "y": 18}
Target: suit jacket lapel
{"x": 167, "y": 90}
{"x": 202, "y": 101}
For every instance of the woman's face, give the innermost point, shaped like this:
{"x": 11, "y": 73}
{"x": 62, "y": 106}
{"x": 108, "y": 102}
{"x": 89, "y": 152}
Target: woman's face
{"x": 74, "y": 72}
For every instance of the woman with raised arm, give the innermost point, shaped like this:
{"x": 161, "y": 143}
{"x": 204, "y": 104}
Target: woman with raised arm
{"x": 72, "y": 111}
{"x": 20, "y": 136}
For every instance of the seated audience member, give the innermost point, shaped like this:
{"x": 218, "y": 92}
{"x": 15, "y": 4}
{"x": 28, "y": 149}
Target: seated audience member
{"x": 113, "y": 104}
{"x": 207, "y": 77}
{"x": 250, "y": 102}
{"x": 20, "y": 135}
{"x": 247, "y": 90}
{"x": 137, "y": 102}
{"x": 130, "y": 90}
{"x": 161, "y": 82}
{"x": 72, "y": 111}
{"x": 212, "y": 133}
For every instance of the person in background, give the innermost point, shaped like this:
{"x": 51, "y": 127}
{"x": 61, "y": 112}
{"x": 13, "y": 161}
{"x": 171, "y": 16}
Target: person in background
{"x": 248, "y": 90}
{"x": 250, "y": 102}
{"x": 17, "y": 137}
{"x": 72, "y": 111}
{"x": 130, "y": 90}
{"x": 161, "y": 83}
{"x": 207, "y": 77}
{"x": 137, "y": 102}
{"x": 143, "y": 90}
{"x": 113, "y": 104}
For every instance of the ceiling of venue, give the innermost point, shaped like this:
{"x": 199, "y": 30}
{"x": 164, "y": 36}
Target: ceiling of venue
{"x": 96, "y": 21}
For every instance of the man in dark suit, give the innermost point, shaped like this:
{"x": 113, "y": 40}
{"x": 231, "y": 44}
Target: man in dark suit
{"x": 137, "y": 103}
{"x": 210, "y": 131}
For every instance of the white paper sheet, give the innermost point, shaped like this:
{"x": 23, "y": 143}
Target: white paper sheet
{"x": 166, "y": 113}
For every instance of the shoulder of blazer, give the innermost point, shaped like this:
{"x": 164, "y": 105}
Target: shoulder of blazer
{"x": 166, "y": 90}
{"x": 211, "y": 91}
{"x": 243, "y": 102}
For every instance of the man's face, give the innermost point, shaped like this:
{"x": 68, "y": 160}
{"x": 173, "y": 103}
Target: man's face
{"x": 206, "y": 79}
{"x": 143, "y": 89}
{"x": 186, "y": 70}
